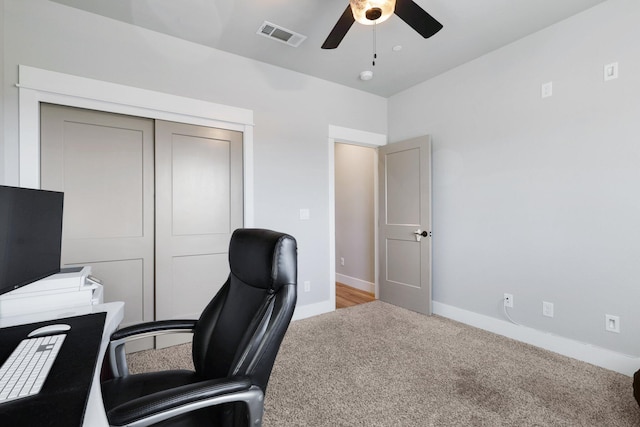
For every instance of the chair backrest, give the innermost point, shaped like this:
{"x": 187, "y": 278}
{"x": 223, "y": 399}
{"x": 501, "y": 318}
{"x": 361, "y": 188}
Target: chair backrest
{"x": 241, "y": 329}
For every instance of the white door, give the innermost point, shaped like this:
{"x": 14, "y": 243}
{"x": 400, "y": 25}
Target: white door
{"x": 404, "y": 228}
{"x": 104, "y": 164}
{"x": 198, "y": 205}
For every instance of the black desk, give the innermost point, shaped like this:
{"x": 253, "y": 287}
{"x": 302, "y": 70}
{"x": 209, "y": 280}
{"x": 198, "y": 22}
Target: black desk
{"x": 63, "y": 397}
{"x": 71, "y": 394}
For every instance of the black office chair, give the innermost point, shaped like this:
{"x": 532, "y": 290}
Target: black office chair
{"x": 235, "y": 342}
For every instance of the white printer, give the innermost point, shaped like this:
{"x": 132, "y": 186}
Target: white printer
{"x": 71, "y": 287}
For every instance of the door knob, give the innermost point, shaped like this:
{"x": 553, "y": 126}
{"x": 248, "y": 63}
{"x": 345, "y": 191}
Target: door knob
{"x": 420, "y": 234}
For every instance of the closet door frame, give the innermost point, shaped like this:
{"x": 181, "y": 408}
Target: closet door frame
{"x": 37, "y": 86}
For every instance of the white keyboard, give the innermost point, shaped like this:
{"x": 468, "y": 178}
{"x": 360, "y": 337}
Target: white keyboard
{"x": 25, "y": 371}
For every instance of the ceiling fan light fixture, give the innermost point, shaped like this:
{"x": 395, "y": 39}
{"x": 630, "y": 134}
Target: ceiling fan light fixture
{"x": 369, "y": 12}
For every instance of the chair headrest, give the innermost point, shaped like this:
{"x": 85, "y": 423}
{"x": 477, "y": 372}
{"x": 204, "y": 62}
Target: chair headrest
{"x": 262, "y": 258}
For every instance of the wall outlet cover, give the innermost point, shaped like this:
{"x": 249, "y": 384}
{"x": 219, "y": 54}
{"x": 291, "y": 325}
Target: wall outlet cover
{"x": 612, "y": 323}
{"x": 508, "y": 300}
{"x": 547, "y": 309}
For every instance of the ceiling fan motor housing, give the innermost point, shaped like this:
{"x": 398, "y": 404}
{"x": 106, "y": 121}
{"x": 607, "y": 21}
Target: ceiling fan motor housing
{"x": 369, "y": 12}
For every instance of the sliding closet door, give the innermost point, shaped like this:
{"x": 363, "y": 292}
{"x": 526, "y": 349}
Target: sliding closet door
{"x": 165, "y": 259}
{"x": 199, "y": 202}
{"x": 104, "y": 164}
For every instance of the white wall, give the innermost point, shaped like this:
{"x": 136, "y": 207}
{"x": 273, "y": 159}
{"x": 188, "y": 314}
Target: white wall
{"x": 292, "y": 111}
{"x": 539, "y": 197}
{"x": 355, "y": 214}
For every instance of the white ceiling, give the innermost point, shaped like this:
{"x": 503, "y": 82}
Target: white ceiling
{"x": 472, "y": 28}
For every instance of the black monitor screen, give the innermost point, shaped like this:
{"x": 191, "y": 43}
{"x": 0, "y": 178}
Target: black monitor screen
{"x": 30, "y": 235}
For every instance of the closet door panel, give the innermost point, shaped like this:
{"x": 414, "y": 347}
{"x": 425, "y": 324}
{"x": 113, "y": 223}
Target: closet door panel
{"x": 198, "y": 205}
{"x": 103, "y": 163}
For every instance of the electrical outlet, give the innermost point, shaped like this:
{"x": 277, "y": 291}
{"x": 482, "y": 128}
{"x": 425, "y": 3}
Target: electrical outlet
{"x": 547, "y": 309}
{"x": 307, "y": 286}
{"x": 612, "y": 323}
{"x": 546, "y": 90}
{"x": 508, "y": 300}
{"x": 341, "y": 260}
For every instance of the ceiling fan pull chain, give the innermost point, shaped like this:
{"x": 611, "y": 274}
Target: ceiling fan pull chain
{"x": 375, "y": 55}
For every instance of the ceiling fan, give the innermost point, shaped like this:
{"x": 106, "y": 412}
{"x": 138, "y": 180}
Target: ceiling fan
{"x": 369, "y": 12}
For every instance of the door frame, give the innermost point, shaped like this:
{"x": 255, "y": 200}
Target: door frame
{"x": 38, "y": 85}
{"x": 339, "y": 134}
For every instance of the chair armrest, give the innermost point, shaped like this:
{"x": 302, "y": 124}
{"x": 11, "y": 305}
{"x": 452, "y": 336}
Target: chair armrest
{"x": 156, "y": 407}
{"x": 119, "y": 338}
{"x": 153, "y": 328}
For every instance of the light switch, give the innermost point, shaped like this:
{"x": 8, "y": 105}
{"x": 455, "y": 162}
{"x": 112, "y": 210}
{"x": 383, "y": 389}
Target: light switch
{"x": 611, "y": 71}
{"x": 305, "y": 214}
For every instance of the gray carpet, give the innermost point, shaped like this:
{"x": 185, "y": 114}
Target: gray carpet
{"x": 380, "y": 365}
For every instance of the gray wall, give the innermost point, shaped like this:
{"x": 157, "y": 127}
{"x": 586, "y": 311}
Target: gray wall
{"x": 355, "y": 211}
{"x": 292, "y": 112}
{"x": 539, "y": 197}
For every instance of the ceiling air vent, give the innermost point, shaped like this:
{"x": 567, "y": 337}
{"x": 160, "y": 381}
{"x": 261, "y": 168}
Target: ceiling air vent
{"x": 278, "y": 33}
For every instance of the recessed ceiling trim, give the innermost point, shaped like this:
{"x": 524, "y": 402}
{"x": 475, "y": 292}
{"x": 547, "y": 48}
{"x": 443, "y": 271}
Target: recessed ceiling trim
{"x": 280, "y": 34}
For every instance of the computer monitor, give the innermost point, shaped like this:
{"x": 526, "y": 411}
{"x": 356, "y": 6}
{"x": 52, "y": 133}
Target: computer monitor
{"x": 30, "y": 235}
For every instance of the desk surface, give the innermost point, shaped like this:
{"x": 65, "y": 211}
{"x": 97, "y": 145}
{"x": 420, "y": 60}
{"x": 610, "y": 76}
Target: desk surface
{"x": 94, "y": 414}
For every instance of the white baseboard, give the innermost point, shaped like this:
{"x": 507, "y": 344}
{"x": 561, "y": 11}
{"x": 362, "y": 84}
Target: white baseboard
{"x": 589, "y": 353}
{"x": 363, "y": 285}
{"x": 310, "y": 310}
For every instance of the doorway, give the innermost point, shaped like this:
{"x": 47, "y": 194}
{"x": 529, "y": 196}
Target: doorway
{"x": 355, "y": 223}
{"x": 418, "y": 265}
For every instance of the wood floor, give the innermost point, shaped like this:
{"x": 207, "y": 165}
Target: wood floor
{"x": 346, "y": 296}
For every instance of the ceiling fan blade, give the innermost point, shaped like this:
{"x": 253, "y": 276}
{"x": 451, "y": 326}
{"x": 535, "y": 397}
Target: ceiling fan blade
{"x": 340, "y": 30}
{"x": 416, "y": 17}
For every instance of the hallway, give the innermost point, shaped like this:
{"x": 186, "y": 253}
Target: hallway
{"x": 346, "y": 296}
